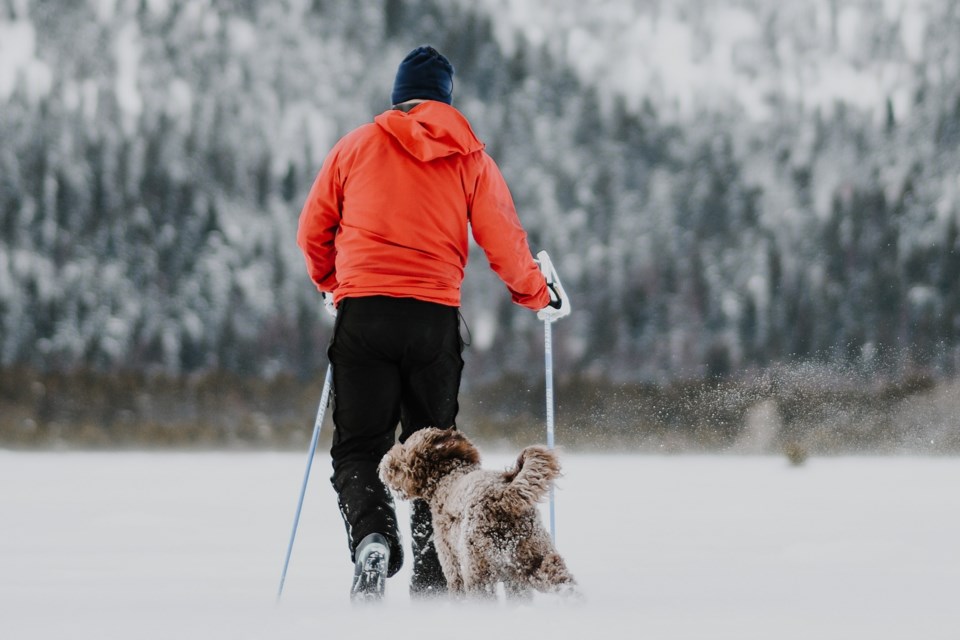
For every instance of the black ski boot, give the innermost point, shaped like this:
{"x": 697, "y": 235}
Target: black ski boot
{"x": 370, "y": 574}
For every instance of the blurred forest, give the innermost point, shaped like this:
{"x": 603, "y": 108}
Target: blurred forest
{"x": 154, "y": 155}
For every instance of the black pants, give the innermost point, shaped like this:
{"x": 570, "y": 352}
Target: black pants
{"x": 395, "y": 360}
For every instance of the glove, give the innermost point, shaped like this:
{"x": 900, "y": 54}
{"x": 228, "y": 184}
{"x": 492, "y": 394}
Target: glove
{"x": 559, "y": 305}
{"x": 328, "y": 304}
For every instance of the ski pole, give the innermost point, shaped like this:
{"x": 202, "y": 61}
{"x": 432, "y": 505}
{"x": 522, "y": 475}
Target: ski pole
{"x": 548, "y": 361}
{"x": 553, "y": 282}
{"x": 324, "y": 398}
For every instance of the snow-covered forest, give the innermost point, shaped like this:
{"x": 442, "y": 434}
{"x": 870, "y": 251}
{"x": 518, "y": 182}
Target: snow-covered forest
{"x": 725, "y": 187}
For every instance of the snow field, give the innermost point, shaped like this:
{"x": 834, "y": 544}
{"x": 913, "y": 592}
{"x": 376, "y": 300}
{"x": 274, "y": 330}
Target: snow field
{"x": 190, "y": 545}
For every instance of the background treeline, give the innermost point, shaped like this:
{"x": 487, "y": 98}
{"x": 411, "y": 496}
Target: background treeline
{"x": 800, "y": 411}
{"x": 154, "y": 156}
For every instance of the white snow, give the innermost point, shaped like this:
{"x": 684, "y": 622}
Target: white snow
{"x": 695, "y": 54}
{"x": 165, "y": 545}
{"x": 105, "y": 9}
{"x": 18, "y": 62}
{"x": 127, "y": 52}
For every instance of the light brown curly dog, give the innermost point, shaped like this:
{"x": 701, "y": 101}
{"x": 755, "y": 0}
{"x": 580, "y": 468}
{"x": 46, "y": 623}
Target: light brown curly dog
{"x": 486, "y": 525}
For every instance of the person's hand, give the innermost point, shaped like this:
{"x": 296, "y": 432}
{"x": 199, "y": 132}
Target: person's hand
{"x": 559, "y": 306}
{"x": 328, "y": 304}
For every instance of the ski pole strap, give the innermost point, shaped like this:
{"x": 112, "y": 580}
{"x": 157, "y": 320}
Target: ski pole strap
{"x": 555, "y": 300}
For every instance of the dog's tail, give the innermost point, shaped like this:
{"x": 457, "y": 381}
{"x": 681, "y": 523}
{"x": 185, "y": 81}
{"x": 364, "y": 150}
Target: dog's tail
{"x": 529, "y": 481}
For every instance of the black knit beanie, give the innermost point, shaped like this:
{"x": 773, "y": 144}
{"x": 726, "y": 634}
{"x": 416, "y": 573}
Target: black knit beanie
{"x": 423, "y": 74}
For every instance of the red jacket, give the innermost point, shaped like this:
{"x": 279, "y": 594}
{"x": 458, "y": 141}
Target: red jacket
{"x": 388, "y": 212}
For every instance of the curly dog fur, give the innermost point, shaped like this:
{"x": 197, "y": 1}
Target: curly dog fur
{"x": 486, "y": 525}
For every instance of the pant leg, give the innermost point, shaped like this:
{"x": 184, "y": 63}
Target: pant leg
{"x": 366, "y": 410}
{"x": 431, "y": 370}
{"x": 393, "y": 360}
{"x": 431, "y": 376}
{"x": 427, "y": 577}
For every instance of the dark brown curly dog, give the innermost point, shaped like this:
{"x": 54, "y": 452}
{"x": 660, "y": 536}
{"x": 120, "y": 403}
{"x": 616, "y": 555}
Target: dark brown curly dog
{"x": 486, "y": 525}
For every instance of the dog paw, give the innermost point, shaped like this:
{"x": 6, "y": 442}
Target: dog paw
{"x": 570, "y": 593}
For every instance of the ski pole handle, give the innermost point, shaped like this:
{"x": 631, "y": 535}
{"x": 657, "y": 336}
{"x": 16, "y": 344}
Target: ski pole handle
{"x": 559, "y": 306}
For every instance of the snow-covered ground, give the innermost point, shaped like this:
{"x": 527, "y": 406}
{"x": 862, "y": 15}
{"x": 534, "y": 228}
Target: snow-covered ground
{"x": 140, "y": 546}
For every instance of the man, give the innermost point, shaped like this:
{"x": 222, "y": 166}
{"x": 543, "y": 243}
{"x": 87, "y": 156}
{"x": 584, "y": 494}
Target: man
{"x": 384, "y": 233}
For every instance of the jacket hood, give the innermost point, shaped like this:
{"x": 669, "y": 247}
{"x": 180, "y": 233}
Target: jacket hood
{"x": 430, "y": 130}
